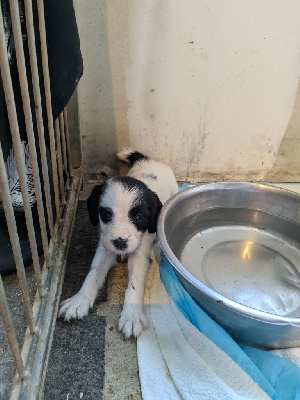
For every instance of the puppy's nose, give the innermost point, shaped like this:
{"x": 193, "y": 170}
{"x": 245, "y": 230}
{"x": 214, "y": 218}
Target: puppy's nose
{"x": 120, "y": 243}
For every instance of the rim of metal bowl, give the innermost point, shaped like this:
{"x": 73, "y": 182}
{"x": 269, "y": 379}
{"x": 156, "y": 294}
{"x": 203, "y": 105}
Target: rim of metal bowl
{"x": 204, "y": 289}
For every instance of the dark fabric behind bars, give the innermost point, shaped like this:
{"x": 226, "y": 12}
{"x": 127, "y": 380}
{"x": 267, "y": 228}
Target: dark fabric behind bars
{"x": 65, "y": 61}
{"x": 65, "y": 68}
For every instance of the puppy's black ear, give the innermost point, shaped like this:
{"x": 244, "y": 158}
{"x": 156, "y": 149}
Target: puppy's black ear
{"x": 93, "y": 203}
{"x": 155, "y": 207}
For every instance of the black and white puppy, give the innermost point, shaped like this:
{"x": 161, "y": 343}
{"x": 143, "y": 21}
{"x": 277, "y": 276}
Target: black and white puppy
{"x": 127, "y": 209}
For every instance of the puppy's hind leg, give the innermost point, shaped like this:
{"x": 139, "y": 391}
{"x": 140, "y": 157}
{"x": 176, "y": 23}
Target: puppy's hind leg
{"x": 78, "y": 305}
{"x": 133, "y": 320}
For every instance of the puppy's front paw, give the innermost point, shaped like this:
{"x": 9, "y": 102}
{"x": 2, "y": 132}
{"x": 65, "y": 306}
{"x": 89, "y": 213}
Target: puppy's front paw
{"x": 76, "y": 306}
{"x": 132, "y": 321}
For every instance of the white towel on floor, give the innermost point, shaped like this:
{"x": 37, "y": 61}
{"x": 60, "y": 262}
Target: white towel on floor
{"x": 176, "y": 361}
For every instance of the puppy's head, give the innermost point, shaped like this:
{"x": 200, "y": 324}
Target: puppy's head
{"x": 126, "y": 208}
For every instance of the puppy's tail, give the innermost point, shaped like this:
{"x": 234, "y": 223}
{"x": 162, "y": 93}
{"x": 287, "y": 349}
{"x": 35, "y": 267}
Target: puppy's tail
{"x": 131, "y": 156}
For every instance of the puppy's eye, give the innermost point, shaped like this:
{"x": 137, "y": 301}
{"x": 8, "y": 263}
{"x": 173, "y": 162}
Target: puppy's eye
{"x": 105, "y": 214}
{"x": 137, "y": 218}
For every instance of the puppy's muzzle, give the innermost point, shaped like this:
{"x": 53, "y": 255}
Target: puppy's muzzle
{"x": 120, "y": 243}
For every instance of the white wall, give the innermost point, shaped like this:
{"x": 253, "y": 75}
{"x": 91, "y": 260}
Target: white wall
{"x": 206, "y": 86}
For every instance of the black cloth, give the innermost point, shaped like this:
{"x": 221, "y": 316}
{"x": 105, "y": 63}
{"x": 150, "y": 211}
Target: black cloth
{"x": 65, "y": 69}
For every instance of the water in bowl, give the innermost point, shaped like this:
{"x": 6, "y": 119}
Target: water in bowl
{"x": 248, "y": 256}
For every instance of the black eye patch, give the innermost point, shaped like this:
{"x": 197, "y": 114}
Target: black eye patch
{"x": 139, "y": 216}
{"x": 106, "y": 214}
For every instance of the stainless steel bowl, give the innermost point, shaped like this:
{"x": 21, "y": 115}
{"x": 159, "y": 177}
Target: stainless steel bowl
{"x": 236, "y": 249}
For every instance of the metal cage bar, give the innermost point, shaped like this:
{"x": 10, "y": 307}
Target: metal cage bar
{"x": 44, "y": 50}
{"x": 38, "y": 110}
{"x": 31, "y": 361}
{"x": 68, "y": 146}
{"x": 59, "y": 160}
{"x": 14, "y": 9}
{"x": 64, "y": 146}
{"x": 10, "y": 331}
{"x": 36, "y": 349}
{"x": 14, "y": 238}
{"x": 14, "y": 128}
